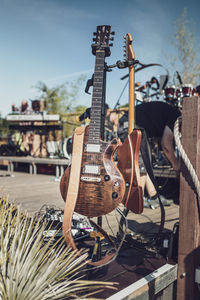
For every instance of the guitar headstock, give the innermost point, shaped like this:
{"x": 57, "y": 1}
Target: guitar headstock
{"x": 102, "y": 39}
{"x": 129, "y": 54}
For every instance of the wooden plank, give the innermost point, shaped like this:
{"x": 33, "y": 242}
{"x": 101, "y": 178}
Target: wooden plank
{"x": 36, "y": 160}
{"x": 30, "y": 191}
{"x": 189, "y": 229}
{"x": 147, "y": 287}
{"x": 167, "y": 293}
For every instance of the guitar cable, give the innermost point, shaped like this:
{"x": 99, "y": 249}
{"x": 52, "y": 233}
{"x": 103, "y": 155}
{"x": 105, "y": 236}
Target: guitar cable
{"x": 117, "y": 249}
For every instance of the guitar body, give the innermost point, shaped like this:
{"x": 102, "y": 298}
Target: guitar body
{"x": 128, "y": 164}
{"x": 101, "y": 184}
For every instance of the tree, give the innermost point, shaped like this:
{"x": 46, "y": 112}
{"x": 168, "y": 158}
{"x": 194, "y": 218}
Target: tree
{"x": 71, "y": 121}
{"x": 4, "y": 127}
{"x": 80, "y": 108}
{"x": 60, "y": 99}
{"x": 185, "y": 44}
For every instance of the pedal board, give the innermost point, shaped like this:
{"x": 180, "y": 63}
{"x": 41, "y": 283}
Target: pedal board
{"x": 81, "y": 226}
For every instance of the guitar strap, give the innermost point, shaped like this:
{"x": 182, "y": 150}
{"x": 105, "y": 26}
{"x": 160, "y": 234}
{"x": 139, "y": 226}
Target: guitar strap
{"x": 72, "y": 195}
{"x": 146, "y": 156}
{"x": 73, "y": 188}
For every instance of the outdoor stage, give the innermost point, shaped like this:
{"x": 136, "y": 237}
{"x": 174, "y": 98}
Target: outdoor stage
{"x": 133, "y": 262}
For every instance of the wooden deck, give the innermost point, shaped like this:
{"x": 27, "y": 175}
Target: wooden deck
{"x": 32, "y": 192}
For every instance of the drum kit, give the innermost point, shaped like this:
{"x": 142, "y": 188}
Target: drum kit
{"x": 174, "y": 95}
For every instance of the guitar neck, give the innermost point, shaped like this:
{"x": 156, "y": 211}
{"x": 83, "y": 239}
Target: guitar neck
{"x": 130, "y": 57}
{"x": 131, "y": 118}
{"x": 98, "y": 98}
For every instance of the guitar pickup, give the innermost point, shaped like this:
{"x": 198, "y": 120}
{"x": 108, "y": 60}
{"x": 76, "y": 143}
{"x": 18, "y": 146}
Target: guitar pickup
{"x": 90, "y": 179}
{"x": 96, "y": 148}
{"x": 91, "y": 169}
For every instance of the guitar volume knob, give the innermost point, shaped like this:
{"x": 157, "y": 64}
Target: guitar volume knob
{"x": 114, "y": 195}
{"x": 106, "y": 177}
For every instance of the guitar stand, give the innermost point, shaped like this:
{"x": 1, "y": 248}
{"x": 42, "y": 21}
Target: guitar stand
{"x": 99, "y": 221}
{"x": 122, "y": 221}
{"x": 97, "y": 251}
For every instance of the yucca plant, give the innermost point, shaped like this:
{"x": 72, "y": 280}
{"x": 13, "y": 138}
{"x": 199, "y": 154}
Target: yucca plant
{"x": 31, "y": 268}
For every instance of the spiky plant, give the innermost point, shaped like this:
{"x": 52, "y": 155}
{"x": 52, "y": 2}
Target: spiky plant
{"x": 31, "y": 269}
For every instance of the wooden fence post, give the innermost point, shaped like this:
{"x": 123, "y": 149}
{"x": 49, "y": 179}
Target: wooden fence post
{"x": 189, "y": 229}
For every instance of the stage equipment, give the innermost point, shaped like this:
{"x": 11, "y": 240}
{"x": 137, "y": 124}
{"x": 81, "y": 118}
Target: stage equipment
{"x": 170, "y": 92}
{"x": 35, "y": 130}
{"x": 188, "y": 90}
{"x": 67, "y": 147}
{"x": 53, "y": 149}
{"x": 81, "y": 226}
{"x": 198, "y": 89}
{"x": 85, "y": 115}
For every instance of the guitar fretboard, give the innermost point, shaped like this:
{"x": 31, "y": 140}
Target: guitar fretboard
{"x": 97, "y": 98}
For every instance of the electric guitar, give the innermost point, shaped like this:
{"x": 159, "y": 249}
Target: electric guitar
{"x": 101, "y": 186}
{"x": 128, "y": 152}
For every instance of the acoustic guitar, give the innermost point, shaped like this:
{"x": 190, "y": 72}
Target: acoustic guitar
{"x": 128, "y": 152}
{"x": 101, "y": 186}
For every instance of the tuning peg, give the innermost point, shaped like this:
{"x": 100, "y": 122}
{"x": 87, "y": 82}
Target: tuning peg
{"x": 111, "y": 44}
{"x": 111, "y": 39}
{"x": 124, "y": 37}
{"x": 94, "y": 40}
{"x": 94, "y": 33}
{"x": 113, "y": 33}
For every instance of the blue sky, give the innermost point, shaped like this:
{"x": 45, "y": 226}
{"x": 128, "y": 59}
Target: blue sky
{"x": 50, "y": 41}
